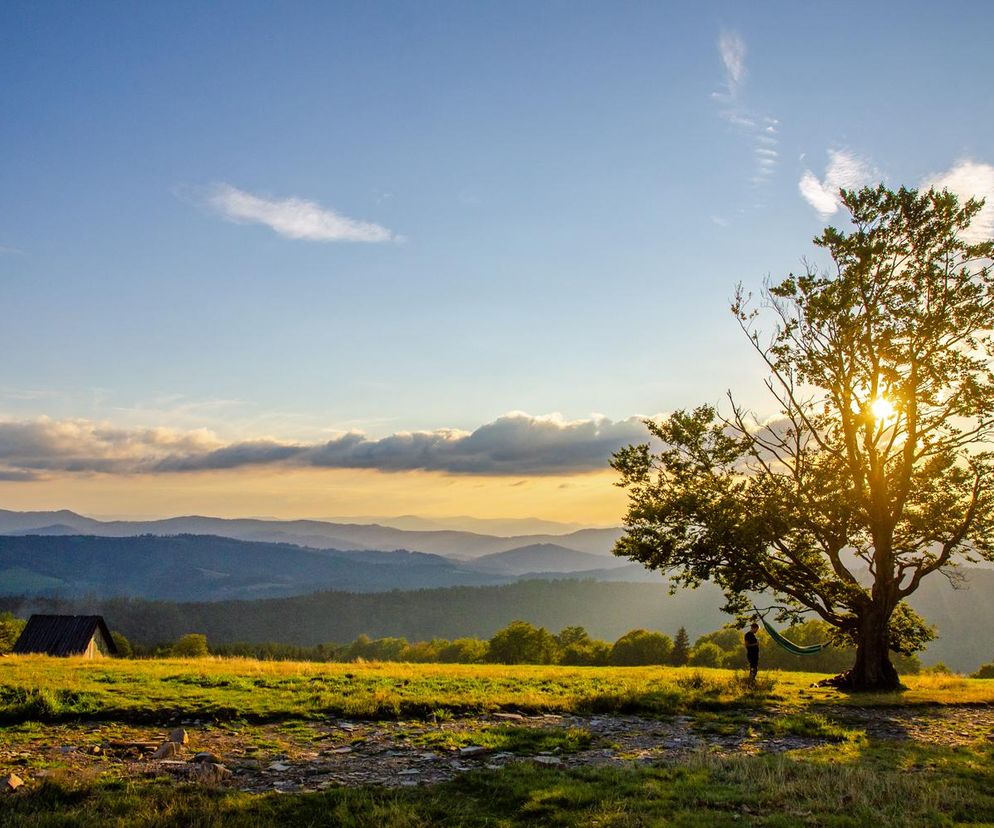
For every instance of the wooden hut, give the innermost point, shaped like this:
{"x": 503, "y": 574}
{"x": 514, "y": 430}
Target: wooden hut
{"x": 66, "y": 635}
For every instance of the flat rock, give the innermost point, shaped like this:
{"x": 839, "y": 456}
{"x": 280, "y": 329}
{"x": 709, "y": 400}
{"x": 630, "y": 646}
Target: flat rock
{"x": 547, "y": 760}
{"x": 341, "y": 750}
{"x": 11, "y": 782}
{"x": 472, "y": 750}
{"x": 211, "y": 773}
{"x": 207, "y": 756}
{"x": 279, "y": 766}
{"x": 510, "y": 717}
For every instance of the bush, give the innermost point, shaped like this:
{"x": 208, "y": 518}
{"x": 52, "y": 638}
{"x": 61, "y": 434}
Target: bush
{"x": 707, "y": 654}
{"x": 521, "y": 643}
{"x": 640, "y": 647}
{"x": 10, "y": 631}
{"x": 464, "y": 651}
{"x": 122, "y": 644}
{"x": 986, "y": 671}
{"x": 191, "y": 645}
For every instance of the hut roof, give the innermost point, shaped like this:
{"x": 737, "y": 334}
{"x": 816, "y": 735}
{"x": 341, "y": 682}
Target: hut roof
{"x": 62, "y": 635}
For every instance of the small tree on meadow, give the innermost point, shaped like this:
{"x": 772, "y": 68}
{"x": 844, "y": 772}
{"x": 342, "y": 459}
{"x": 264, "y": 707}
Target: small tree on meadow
{"x": 707, "y": 654}
{"x": 641, "y": 647}
{"x": 681, "y": 648}
{"x": 521, "y": 643}
{"x": 191, "y": 645}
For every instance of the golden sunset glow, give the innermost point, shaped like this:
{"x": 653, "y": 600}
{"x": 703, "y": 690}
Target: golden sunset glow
{"x": 883, "y": 409}
{"x": 323, "y": 493}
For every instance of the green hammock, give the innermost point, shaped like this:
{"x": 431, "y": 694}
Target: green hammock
{"x": 790, "y": 646}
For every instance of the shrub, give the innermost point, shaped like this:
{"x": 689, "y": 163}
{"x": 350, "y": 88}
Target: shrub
{"x": 707, "y": 654}
{"x": 986, "y": 671}
{"x": 521, "y": 643}
{"x": 639, "y": 647}
{"x": 191, "y": 645}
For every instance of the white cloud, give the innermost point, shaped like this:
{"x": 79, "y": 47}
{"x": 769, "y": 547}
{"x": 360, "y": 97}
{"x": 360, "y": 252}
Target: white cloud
{"x": 514, "y": 444}
{"x": 969, "y": 179}
{"x": 733, "y": 51}
{"x": 760, "y": 130}
{"x": 844, "y": 171}
{"x": 294, "y": 218}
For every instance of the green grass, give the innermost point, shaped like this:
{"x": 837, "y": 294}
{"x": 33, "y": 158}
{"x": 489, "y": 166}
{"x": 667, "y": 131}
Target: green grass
{"x": 507, "y": 738}
{"x": 843, "y": 785}
{"x": 44, "y": 689}
{"x": 36, "y": 688}
{"x": 850, "y": 780}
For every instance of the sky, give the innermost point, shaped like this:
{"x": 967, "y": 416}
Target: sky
{"x": 313, "y": 259}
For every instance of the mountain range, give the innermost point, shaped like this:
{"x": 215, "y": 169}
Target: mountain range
{"x": 316, "y": 534}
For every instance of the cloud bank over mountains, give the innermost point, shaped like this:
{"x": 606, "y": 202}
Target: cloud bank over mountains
{"x": 513, "y": 444}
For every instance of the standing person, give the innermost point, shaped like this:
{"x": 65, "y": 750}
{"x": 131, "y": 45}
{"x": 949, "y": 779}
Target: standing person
{"x": 752, "y": 650}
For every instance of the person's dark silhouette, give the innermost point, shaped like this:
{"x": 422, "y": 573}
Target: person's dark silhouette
{"x": 752, "y": 650}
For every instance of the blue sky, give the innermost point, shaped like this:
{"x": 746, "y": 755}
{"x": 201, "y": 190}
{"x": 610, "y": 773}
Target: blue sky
{"x": 557, "y": 201}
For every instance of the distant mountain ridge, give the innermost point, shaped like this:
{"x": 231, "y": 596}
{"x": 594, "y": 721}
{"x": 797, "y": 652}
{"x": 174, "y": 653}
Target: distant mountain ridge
{"x": 310, "y": 533}
{"x": 543, "y": 557}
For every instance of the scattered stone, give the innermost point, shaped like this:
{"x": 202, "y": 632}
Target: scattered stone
{"x": 279, "y": 767}
{"x": 167, "y": 750}
{"x": 11, "y": 782}
{"x": 472, "y": 750}
{"x": 211, "y": 773}
{"x": 547, "y": 760}
{"x": 179, "y": 736}
{"x": 207, "y": 756}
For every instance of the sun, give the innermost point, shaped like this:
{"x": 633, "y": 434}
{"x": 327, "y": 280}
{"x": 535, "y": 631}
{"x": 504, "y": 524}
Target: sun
{"x": 882, "y": 409}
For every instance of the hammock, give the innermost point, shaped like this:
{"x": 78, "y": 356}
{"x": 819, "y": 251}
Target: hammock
{"x": 789, "y": 646}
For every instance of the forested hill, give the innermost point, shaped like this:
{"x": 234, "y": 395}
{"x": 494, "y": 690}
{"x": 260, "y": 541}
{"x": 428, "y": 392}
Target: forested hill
{"x": 965, "y": 618}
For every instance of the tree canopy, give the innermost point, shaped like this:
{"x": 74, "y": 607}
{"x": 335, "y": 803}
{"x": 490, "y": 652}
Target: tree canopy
{"x": 876, "y": 470}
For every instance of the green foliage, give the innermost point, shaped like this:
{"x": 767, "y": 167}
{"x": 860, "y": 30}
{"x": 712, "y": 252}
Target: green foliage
{"x": 464, "y": 651}
{"x": 986, "y": 671}
{"x": 521, "y": 643}
{"x": 638, "y": 647}
{"x": 837, "y": 482}
{"x": 191, "y": 645}
{"x": 681, "y": 648}
{"x": 10, "y": 631}
{"x": 123, "y": 646}
{"x": 707, "y": 654}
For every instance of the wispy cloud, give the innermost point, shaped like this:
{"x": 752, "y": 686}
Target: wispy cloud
{"x": 761, "y": 131}
{"x": 844, "y": 171}
{"x": 970, "y": 179}
{"x": 514, "y": 444}
{"x": 294, "y": 218}
{"x": 732, "y": 48}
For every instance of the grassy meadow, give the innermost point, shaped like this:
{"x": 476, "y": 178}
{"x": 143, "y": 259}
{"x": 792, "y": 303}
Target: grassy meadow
{"x": 847, "y": 779}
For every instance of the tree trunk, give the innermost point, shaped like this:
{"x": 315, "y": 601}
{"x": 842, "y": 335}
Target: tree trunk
{"x": 873, "y": 669}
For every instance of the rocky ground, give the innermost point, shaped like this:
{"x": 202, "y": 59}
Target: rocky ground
{"x": 299, "y": 756}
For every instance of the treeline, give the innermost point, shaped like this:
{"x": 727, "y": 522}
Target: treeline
{"x": 523, "y": 643}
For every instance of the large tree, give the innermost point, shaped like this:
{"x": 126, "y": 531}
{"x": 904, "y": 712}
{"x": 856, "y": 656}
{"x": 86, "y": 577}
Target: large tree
{"x": 875, "y": 470}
